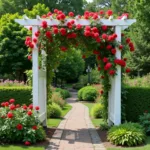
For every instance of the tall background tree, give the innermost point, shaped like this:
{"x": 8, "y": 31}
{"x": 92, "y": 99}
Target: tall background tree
{"x": 13, "y": 52}
{"x": 13, "y": 6}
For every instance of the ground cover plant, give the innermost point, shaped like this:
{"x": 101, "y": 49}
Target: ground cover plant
{"x": 127, "y": 134}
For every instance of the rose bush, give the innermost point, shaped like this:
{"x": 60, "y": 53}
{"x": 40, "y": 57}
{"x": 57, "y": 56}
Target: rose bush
{"x": 93, "y": 39}
{"x": 20, "y": 124}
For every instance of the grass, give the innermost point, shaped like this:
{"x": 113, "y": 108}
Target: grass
{"x": 54, "y": 122}
{"x": 96, "y": 122}
{"x": 146, "y": 147}
{"x": 11, "y": 147}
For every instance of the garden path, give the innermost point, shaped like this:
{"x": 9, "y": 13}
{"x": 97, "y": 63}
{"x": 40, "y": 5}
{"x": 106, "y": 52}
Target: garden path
{"x": 76, "y": 131}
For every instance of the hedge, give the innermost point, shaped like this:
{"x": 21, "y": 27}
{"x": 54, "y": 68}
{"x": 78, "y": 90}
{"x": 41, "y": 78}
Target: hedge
{"x": 137, "y": 102}
{"x": 22, "y": 95}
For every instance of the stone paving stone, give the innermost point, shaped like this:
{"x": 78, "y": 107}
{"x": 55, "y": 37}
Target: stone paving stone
{"x": 76, "y": 131}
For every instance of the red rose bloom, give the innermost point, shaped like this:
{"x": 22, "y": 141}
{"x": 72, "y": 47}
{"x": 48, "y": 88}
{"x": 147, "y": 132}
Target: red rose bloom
{"x": 63, "y": 31}
{"x": 113, "y": 51}
{"x": 29, "y": 113}
{"x": 10, "y": 115}
{"x": 102, "y": 77}
{"x": 99, "y": 68}
{"x": 37, "y": 33}
{"x": 19, "y": 127}
{"x": 109, "y": 47}
{"x": 132, "y": 49}
{"x": 63, "y": 48}
{"x": 37, "y": 108}
{"x": 104, "y": 28}
{"x": 128, "y": 70}
{"x": 31, "y": 45}
{"x": 107, "y": 66}
{"x": 98, "y": 40}
{"x": 78, "y": 26}
{"x": 30, "y": 106}
{"x": 55, "y": 30}
{"x": 30, "y": 28}
{"x": 128, "y": 40}
{"x": 27, "y": 143}
{"x": 105, "y": 60}
{"x": 104, "y": 36}
{"x": 24, "y": 107}
{"x": 71, "y": 14}
{"x": 109, "y": 12}
{"x": 6, "y": 104}
{"x": 87, "y": 33}
{"x": 12, "y": 107}
{"x": 44, "y": 24}
{"x": 98, "y": 57}
{"x": 34, "y": 127}
{"x": 120, "y": 46}
{"x": 12, "y": 100}
{"x": 3, "y": 104}
{"x": 35, "y": 40}
{"x": 48, "y": 34}
{"x": 29, "y": 57}
{"x": 112, "y": 72}
{"x": 101, "y": 12}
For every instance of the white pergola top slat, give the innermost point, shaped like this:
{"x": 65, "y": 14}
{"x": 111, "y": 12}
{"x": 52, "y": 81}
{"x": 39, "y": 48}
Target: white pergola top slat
{"x": 84, "y": 22}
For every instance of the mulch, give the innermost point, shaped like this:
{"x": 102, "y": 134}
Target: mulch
{"x": 49, "y": 134}
{"x": 103, "y": 136}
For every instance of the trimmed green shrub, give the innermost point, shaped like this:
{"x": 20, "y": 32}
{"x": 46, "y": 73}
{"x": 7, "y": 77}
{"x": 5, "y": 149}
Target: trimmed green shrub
{"x": 64, "y": 93}
{"x": 128, "y": 134}
{"x": 77, "y": 86}
{"x": 87, "y": 93}
{"x": 22, "y": 95}
{"x": 96, "y": 110}
{"x": 145, "y": 122}
{"x": 57, "y": 98}
{"x": 54, "y": 111}
{"x": 136, "y": 102}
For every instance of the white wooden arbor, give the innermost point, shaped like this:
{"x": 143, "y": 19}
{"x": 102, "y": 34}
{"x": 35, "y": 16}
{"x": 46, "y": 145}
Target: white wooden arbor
{"x": 39, "y": 76}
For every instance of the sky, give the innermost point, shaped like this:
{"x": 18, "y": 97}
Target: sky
{"x": 89, "y": 0}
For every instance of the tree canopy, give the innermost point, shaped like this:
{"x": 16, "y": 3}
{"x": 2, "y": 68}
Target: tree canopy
{"x": 13, "y": 52}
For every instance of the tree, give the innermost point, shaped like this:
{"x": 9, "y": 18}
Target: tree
{"x": 39, "y": 9}
{"x": 12, "y": 48}
{"x": 115, "y": 5}
{"x": 71, "y": 66}
{"x": 140, "y": 33}
{"x": 13, "y": 6}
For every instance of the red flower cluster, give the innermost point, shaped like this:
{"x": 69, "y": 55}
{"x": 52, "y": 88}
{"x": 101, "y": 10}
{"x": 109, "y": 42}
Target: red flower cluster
{"x": 120, "y": 62}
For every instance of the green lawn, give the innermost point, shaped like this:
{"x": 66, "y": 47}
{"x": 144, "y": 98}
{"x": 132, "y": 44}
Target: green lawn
{"x": 11, "y": 147}
{"x": 96, "y": 122}
{"x": 54, "y": 122}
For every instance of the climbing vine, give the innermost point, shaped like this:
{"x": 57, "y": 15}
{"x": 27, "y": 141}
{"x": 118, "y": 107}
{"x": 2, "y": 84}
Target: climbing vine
{"x": 95, "y": 39}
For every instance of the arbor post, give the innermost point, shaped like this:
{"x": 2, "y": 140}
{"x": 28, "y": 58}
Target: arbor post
{"x": 35, "y": 69}
{"x": 114, "y": 115}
